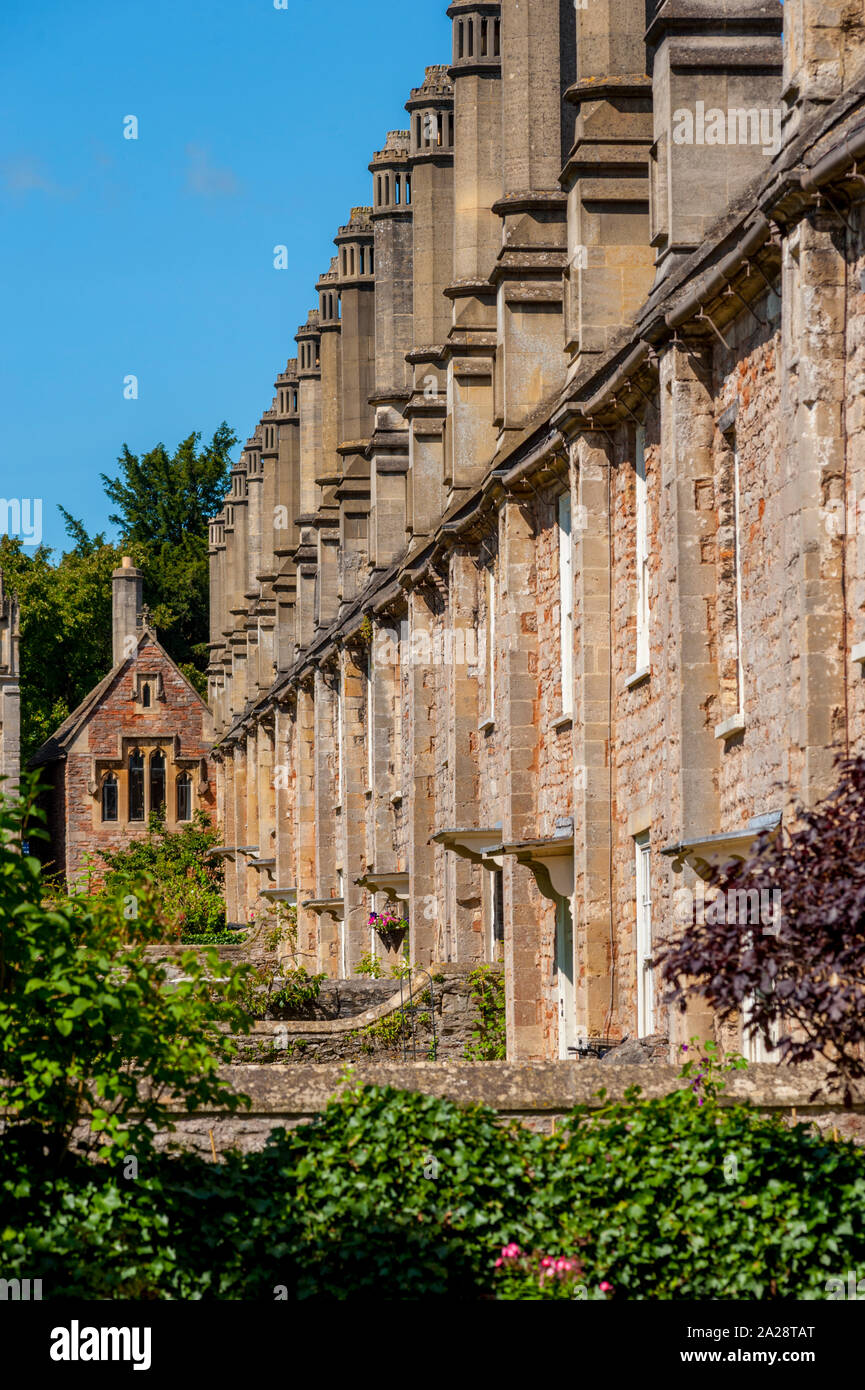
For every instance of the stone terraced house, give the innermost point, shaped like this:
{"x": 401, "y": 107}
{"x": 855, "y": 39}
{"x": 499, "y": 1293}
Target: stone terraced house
{"x": 540, "y": 586}
{"x": 138, "y": 743}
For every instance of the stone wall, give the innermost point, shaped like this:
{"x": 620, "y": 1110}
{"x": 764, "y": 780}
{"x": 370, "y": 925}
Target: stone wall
{"x": 432, "y": 1017}
{"x": 722, "y": 319}
{"x": 538, "y": 1095}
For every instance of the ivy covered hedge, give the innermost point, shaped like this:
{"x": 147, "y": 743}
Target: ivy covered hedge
{"x": 405, "y": 1196}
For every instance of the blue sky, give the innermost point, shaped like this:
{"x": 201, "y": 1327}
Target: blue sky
{"x": 153, "y": 257}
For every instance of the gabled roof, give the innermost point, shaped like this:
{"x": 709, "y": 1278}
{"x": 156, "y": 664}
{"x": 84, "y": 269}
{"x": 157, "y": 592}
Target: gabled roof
{"x": 55, "y": 748}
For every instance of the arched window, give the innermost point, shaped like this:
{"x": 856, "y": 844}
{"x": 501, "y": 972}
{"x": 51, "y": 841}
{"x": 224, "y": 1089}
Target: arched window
{"x": 145, "y": 695}
{"x": 136, "y": 785}
{"x": 351, "y": 259}
{"x": 484, "y": 30}
{"x": 460, "y": 40}
{"x": 157, "y": 781}
{"x": 371, "y": 261}
{"x": 184, "y": 797}
{"x": 497, "y": 37}
{"x": 397, "y": 188}
{"x": 408, "y": 188}
{"x": 417, "y": 131}
{"x": 109, "y": 798}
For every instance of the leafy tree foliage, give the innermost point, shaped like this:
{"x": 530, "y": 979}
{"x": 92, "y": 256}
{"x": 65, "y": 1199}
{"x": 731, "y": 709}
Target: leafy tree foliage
{"x": 805, "y": 974}
{"x": 65, "y": 627}
{"x": 163, "y": 502}
{"x": 92, "y": 1032}
{"x": 190, "y": 883}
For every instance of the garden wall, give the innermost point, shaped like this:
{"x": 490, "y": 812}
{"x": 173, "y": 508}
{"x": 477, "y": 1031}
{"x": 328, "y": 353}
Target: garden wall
{"x": 433, "y": 1017}
{"x": 536, "y": 1094}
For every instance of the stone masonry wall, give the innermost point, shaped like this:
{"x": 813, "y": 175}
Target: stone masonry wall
{"x": 538, "y": 1095}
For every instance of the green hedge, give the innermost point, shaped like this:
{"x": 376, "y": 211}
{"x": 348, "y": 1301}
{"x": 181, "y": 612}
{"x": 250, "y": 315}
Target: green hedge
{"x": 406, "y": 1196}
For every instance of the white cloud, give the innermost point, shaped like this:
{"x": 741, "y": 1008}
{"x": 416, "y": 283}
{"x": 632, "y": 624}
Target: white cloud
{"x": 205, "y": 179}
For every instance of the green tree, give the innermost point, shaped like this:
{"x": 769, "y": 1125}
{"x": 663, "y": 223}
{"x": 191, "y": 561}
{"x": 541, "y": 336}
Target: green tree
{"x": 163, "y": 504}
{"x": 65, "y": 627}
{"x": 92, "y": 1031}
{"x": 190, "y": 881}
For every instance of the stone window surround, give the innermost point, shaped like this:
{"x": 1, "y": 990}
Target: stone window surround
{"x": 734, "y": 724}
{"x": 157, "y": 688}
{"x": 175, "y": 766}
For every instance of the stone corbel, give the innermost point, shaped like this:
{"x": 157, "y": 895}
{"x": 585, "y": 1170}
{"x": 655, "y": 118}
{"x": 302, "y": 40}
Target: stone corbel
{"x": 331, "y": 907}
{"x": 280, "y": 895}
{"x": 482, "y": 847}
{"x": 395, "y": 886}
{"x": 552, "y": 863}
{"x": 705, "y": 856}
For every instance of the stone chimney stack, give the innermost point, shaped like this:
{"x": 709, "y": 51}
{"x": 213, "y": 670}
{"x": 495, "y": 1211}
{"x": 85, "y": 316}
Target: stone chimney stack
{"x": 431, "y": 117}
{"x": 716, "y": 84}
{"x": 10, "y": 740}
{"x": 606, "y": 176}
{"x": 127, "y": 593}
{"x": 824, "y": 50}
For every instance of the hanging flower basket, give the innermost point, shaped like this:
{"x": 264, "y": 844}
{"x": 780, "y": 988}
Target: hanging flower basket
{"x": 390, "y": 926}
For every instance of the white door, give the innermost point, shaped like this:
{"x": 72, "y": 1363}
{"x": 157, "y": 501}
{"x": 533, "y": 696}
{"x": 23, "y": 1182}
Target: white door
{"x": 565, "y": 975}
{"x": 645, "y": 982}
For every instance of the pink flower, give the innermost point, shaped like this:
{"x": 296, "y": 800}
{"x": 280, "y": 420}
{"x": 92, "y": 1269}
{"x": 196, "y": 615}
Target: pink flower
{"x": 498, "y": 1264}
{"x": 511, "y": 1252}
{"x": 563, "y": 1264}
{"x": 546, "y": 1262}
{"x": 605, "y": 1287}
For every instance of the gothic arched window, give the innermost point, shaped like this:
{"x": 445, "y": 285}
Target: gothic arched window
{"x": 136, "y": 785}
{"x": 145, "y": 695}
{"x": 184, "y": 797}
{"x": 109, "y": 798}
{"x": 157, "y": 781}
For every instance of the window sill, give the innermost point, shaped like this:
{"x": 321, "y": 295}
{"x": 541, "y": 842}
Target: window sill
{"x": 730, "y": 727}
{"x": 486, "y": 725}
{"x": 638, "y": 678}
{"x": 564, "y": 721}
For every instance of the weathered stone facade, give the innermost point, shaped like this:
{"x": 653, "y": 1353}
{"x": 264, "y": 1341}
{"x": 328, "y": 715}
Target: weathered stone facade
{"x": 139, "y": 742}
{"x": 541, "y": 585}
{"x": 10, "y": 695}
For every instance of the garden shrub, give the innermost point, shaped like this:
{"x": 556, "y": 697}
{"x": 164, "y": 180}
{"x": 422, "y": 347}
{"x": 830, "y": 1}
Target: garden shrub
{"x": 92, "y": 1031}
{"x": 405, "y": 1196}
{"x": 190, "y": 884}
{"x": 489, "y": 1039}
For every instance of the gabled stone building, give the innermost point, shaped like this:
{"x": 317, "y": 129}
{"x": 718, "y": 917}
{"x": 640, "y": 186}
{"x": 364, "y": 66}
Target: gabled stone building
{"x": 138, "y": 743}
{"x": 541, "y": 587}
{"x": 10, "y": 694}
